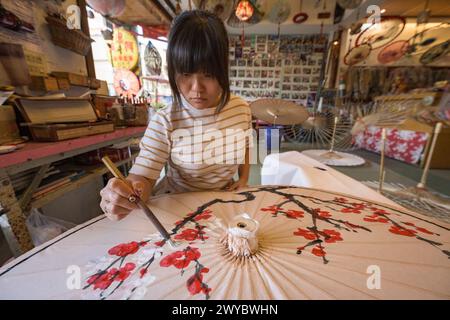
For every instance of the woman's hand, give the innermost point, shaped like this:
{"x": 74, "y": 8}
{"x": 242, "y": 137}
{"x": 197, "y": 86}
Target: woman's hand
{"x": 115, "y": 201}
{"x": 236, "y": 185}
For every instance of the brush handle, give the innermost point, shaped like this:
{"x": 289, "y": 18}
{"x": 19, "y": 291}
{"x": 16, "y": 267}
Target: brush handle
{"x": 135, "y": 198}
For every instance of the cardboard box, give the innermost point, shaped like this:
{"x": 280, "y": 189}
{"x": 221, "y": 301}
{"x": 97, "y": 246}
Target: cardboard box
{"x": 73, "y": 78}
{"x": 44, "y": 83}
{"x": 8, "y": 126}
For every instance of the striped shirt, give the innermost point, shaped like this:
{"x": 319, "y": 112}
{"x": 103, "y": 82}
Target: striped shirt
{"x": 202, "y": 149}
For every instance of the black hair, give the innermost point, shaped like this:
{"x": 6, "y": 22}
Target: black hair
{"x": 198, "y": 42}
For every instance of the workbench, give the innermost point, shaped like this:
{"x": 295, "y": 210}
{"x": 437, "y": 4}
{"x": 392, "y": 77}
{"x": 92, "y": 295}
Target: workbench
{"x": 13, "y": 210}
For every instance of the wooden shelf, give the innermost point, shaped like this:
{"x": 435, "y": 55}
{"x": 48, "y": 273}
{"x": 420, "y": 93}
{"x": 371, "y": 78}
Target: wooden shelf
{"x": 52, "y": 195}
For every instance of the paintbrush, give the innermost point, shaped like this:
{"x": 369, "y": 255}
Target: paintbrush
{"x": 136, "y": 199}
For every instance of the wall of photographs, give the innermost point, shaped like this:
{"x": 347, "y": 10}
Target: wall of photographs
{"x": 268, "y": 66}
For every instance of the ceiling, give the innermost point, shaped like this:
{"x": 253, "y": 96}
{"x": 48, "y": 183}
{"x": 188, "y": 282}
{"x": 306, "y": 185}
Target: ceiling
{"x": 411, "y": 8}
{"x": 159, "y": 13}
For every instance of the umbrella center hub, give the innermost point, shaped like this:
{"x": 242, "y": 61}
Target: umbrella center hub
{"x": 241, "y": 236}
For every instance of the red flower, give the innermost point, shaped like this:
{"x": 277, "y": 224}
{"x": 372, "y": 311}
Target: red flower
{"x": 191, "y": 234}
{"x": 273, "y": 209}
{"x": 376, "y": 218}
{"x": 424, "y": 230}
{"x": 322, "y": 214}
{"x": 103, "y": 281}
{"x": 402, "y": 231}
{"x": 204, "y": 215}
{"x": 124, "y": 249}
{"x": 318, "y": 251}
{"x": 142, "y": 272}
{"x": 125, "y": 271}
{"x": 379, "y": 211}
{"x": 340, "y": 200}
{"x": 350, "y": 210}
{"x": 294, "y": 214}
{"x": 332, "y": 236}
{"x": 180, "y": 259}
{"x": 195, "y": 283}
{"x": 307, "y": 234}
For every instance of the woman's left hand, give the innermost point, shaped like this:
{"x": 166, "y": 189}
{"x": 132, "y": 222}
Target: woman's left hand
{"x": 236, "y": 185}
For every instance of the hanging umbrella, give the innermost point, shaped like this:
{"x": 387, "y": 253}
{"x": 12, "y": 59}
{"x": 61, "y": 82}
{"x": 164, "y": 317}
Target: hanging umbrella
{"x": 152, "y": 60}
{"x": 393, "y": 52}
{"x": 380, "y": 34}
{"x": 234, "y": 22}
{"x": 280, "y": 13}
{"x": 260, "y": 243}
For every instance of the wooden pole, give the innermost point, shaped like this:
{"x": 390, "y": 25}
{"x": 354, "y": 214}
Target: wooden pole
{"x": 423, "y": 180}
{"x": 90, "y": 66}
{"x": 382, "y": 171}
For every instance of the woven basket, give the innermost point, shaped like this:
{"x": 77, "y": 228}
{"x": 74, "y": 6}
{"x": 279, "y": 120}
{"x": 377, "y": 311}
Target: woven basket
{"x": 73, "y": 40}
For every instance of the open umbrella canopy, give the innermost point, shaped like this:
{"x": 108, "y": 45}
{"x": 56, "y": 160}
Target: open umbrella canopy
{"x": 302, "y": 244}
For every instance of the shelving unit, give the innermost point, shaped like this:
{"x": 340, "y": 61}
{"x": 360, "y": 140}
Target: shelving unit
{"x": 40, "y": 155}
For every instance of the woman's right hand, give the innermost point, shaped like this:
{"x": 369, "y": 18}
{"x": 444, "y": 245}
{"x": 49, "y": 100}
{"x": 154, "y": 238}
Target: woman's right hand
{"x": 115, "y": 201}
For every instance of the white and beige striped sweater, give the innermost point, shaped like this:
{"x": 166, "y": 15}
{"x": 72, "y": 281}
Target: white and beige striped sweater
{"x": 196, "y": 145}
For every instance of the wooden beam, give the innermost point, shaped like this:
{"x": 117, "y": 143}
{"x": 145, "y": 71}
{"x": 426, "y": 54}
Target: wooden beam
{"x": 90, "y": 66}
{"x": 161, "y": 9}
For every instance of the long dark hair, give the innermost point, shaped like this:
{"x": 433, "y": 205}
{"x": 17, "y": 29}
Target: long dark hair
{"x": 198, "y": 42}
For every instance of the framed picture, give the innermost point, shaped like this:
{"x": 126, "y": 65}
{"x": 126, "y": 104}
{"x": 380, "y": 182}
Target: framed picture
{"x": 306, "y": 70}
{"x": 297, "y": 79}
{"x": 257, "y": 63}
{"x": 286, "y": 87}
{"x": 241, "y": 73}
{"x": 241, "y": 63}
{"x": 264, "y": 63}
{"x": 249, "y": 74}
{"x": 257, "y": 74}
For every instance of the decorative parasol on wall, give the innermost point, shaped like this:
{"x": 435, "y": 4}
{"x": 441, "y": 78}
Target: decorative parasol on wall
{"x": 435, "y": 53}
{"x": 357, "y": 54}
{"x": 277, "y": 243}
{"x": 126, "y": 83}
{"x": 393, "y": 52}
{"x": 380, "y": 34}
{"x": 152, "y": 60}
{"x": 428, "y": 38}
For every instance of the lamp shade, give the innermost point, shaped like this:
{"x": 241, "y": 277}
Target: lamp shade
{"x": 244, "y": 10}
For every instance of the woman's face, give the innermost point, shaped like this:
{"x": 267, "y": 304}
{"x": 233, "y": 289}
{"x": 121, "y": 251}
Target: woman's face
{"x": 199, "y": 89}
